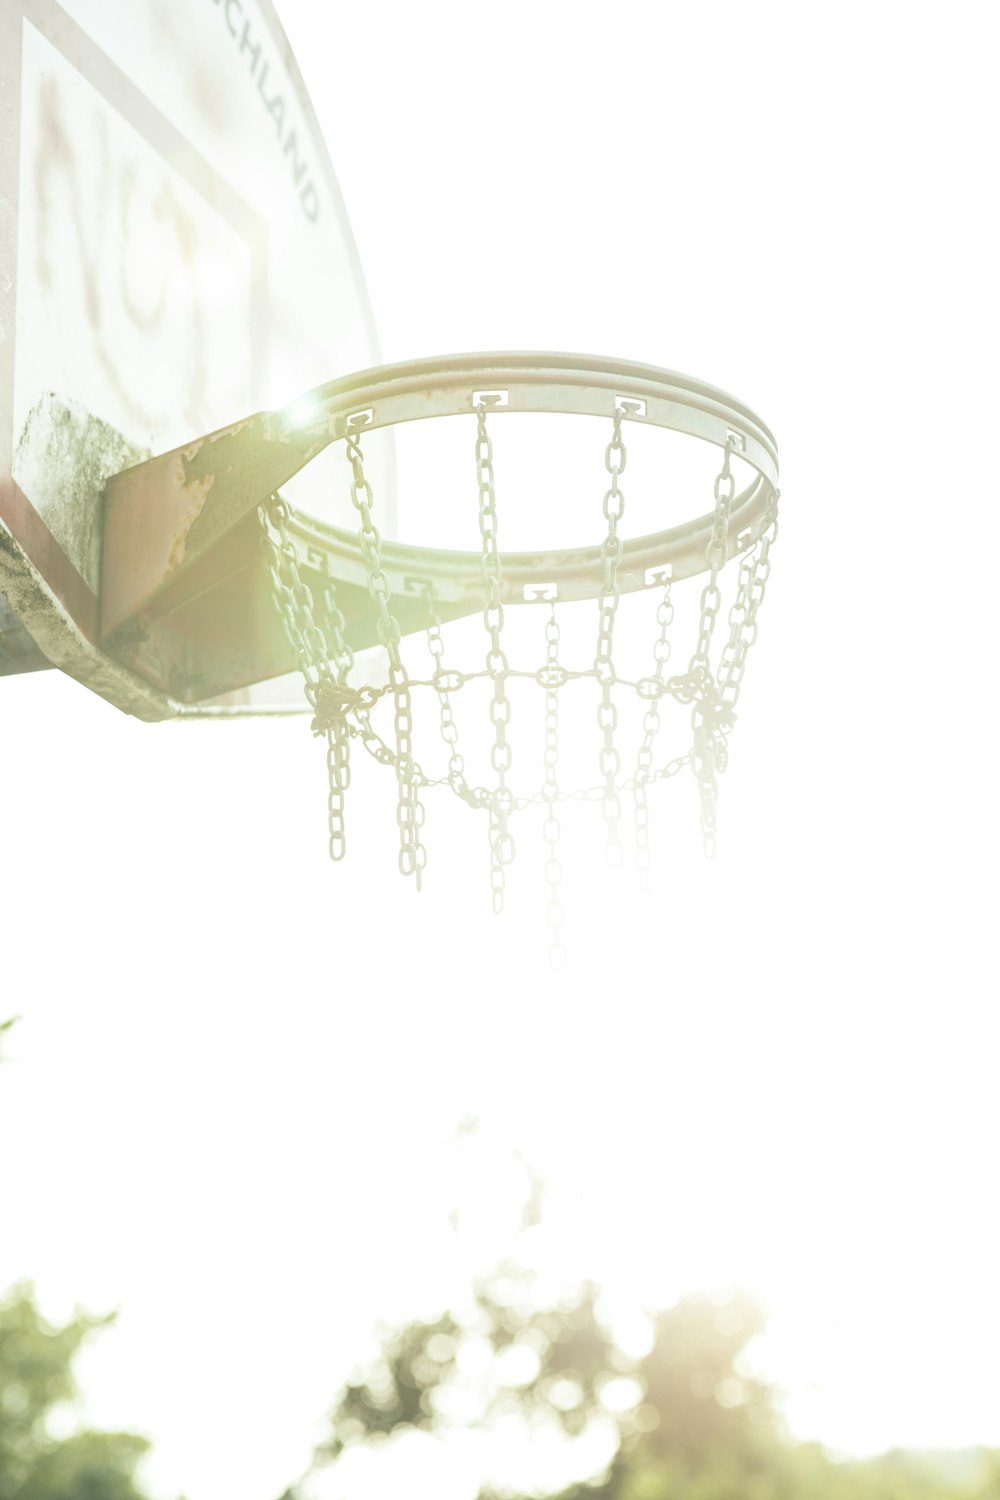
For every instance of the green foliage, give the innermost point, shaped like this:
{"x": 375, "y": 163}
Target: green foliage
{"x": 400, "y": 1388}
{"x": 5, "y": 1026}
{"x": 701, "y": 1425}
{"x": 36, "y": 1375}
{"x": 555, "y": 1358}
{"x": 703, "y": 1400}
{"x": 87, "y": 1466}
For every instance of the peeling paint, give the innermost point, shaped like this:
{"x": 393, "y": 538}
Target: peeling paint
{"x": 196, "y": 490}
{"x": 64, "y": 458}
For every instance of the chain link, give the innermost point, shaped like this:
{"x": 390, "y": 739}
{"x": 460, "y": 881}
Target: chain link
{"x": 715, "y": 557}
{"x": 650, "y": 728}
{"x": 684, "y": 687}
{"x": 710, "y": 717}
{"x": 325, "y": 692}
{"x": 342, "y": 713}
{"x": 604, "y": 670}
{"x": 550, "y": 792}
{"x": 755, "y": 569}
{"x": 409, "y": 809}
{"x": 444, "y": 683}
{"x": 497, "y": 666}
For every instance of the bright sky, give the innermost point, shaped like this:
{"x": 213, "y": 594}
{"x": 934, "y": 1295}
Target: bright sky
{"x": 230, "y": 1099}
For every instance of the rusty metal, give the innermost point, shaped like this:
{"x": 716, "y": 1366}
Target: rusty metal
{"x": 18, "y": 652}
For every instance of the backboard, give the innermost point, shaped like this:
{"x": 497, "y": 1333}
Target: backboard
{"x": 174, "y": 254}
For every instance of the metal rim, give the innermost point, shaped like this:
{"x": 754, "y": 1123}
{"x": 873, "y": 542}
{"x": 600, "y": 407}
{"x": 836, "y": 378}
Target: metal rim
{"x": 586, "y": 385}
{"x": 539, "y": 382}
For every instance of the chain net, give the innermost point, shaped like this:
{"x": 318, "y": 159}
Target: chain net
{"x": 379, "y": 716}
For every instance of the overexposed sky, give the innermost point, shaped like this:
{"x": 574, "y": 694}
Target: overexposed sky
{"x": 229, "y": 1101}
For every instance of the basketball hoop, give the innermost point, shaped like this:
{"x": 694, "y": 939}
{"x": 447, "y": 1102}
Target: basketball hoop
{"x": 432, "y": 584}
{"x": 144, "y": 576}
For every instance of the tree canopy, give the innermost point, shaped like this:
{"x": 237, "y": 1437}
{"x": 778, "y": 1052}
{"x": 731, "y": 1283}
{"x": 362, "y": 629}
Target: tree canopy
{"x": 36, "y": 1377}
{"x": 689, "y": 1420}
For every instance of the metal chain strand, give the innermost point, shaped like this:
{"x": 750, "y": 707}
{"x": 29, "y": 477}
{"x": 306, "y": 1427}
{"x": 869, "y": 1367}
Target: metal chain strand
{"x": 684, "y": 688}
{"x": 710, "y": 717}
{"x": 293, "y": 597}
{"x": 715, "y": 557}
{"x": 650, "y": 728}
{"x": 755, "y": 569}
{"x": 550, "y": 792}
{"x": 604, "y": 671}
{"x": 409, "y": 809}
{"x": 338, "y": 772}
{"x": 444, "y": 684}
{"x": 342, "y": 713}
{"x": 497, "y": 667}
{"x": 338, "y": 743}
{"x": 324, "y": 692}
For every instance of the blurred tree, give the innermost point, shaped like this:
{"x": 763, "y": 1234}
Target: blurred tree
{"x": 689, "y": 1419}
{"x": 36, "y": 1376}
{"x": 4, "y": 1027}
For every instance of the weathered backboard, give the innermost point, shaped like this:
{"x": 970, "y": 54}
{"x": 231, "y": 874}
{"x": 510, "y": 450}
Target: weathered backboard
{"x": 174, "y": 254}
